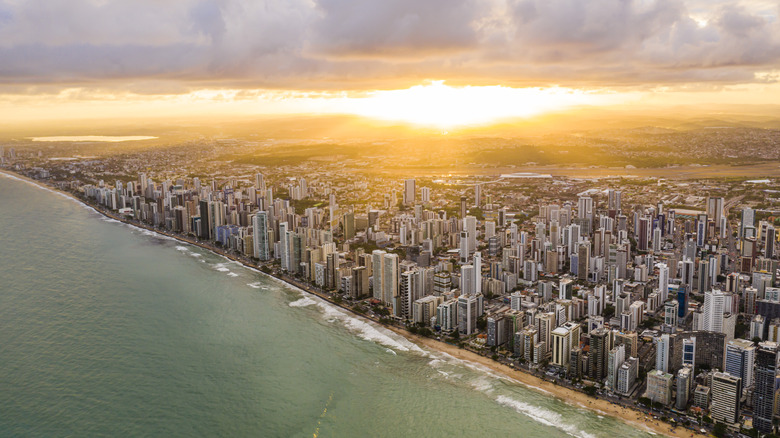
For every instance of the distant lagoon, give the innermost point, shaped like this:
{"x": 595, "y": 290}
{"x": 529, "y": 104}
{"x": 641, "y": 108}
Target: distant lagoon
{"x": 96, "y": 138}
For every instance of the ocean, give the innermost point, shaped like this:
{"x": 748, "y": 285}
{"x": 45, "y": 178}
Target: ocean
{"x": 110, "y": 330}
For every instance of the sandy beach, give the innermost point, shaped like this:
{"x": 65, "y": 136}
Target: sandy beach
{"x": 630, "y": 416}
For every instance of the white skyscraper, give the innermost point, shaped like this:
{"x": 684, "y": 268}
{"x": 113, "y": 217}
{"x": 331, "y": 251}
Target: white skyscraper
{"x": 470, "y": 225}
{"x": 467, "y": 279}
{"x": 390, "y": 277}
{"x": 662, "y": 353}
{"x": 260, "y": 238}
{"x": 490, "y": 229}
{"x": 714, "y": 307}
{"x": 663, "y": 281}
{"x": 284, "y": 246}
{"x": 477, "y": 272}
{"x": 377, "y": 257}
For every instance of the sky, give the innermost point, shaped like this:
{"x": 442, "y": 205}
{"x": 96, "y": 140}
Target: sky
{"x": 73, "y": 58}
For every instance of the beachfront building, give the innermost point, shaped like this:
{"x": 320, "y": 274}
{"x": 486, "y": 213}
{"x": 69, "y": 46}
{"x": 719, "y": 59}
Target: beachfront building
{"x": 659, "y": 387}
{"x": 725, "y": 392}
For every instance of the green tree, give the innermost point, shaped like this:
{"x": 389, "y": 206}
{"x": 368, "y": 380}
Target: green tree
{"x": 719, "y": 430}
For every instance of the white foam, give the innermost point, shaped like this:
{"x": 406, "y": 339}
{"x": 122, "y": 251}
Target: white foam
{"x": 303, "y": 302}
{"x": 146, "y": 232}
{"x": 391, "y": 351}
{"x": 542, "y": 416}
{"x": 482, "y": 384}
{"x": 221, "y": 267}
{"x": 109, "y": 220}
{"x": 368, "y": 331}
{"x": 232, "y": 274}
{"x": 194, "y": 254}
{"x": 182, "y": 248}
{"x": 254, "y": 285}
{"x": 435, "y": 363}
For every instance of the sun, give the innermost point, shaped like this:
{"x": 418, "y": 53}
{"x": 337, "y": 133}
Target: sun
{"x": 442, "y": 106}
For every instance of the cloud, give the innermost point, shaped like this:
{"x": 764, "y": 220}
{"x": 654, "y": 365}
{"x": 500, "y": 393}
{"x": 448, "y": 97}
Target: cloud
{"x": 394, "y": 28}
{"x": 347, "y": 44}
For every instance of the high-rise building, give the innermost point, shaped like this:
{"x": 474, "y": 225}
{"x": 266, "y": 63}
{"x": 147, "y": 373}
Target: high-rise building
{"x": 442, "y": 283}
{"x": 670, "y": 313}
{"x": 425, "y": 194}
{"x": 685, "y": 379}
{"x": 613, "y": 200}
{"x": 409, "y": 191}
{"x": 627, "y": 374}
{"x": 467, "y": 276}
{"x": 689, "y": 352}
{"x": 771, "y": 241}
{"x": 764, "y": 394}
{"x": 599, "y": 354}
{"x": 260, "y": 240}
{"x": 564, "y": 339}
{"x": 714, "y": 308}
{"x": 477, "y": 272}
{"x": 682, "y": 301}
{"x": 659, "y": 387}
{"x": 740, "y": 356}
{"x": 284, "y": 246}
{"x": 545, "y": 324}
{"x": 757, "y": 327}
{"x": 703, "y": 283}
{"x": 377, "y": 268}
{"x": 349, "y": 225}
{"x": 390, "y": 275}
{"x": 464, "y": 246}
{"x": 470, "y": 225}
{"x": 663, "y": 281}
{"x": 467, "y": 314}
{"x": 446, "y": 315}
{"x": 662, "y": 350}
{"x": 615, "y": 358}
{"x": 583, "y": 261}
{"x": 715, "y": 209}
{"x": 747, "y": 221}
{"x": 726, "y": 392}
{"x": 259, "y": 183}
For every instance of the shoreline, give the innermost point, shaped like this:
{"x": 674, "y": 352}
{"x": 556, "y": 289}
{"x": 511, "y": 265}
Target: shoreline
{"x": 569, "y": 396}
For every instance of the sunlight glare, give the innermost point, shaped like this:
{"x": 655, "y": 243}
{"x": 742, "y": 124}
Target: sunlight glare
{"x": 443, "y": 106}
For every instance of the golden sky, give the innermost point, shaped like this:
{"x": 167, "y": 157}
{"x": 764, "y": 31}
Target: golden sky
{"x": 438, "y": 62}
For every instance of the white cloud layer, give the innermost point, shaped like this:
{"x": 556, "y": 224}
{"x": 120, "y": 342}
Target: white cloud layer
{"x": 153, "y": 46}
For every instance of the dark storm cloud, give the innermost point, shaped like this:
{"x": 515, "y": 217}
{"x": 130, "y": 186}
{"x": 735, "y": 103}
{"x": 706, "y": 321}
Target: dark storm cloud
{"x": 311, "y": 44}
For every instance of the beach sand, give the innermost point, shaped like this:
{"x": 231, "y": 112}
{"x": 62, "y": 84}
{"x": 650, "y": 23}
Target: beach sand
{"x": 604, "y": 407}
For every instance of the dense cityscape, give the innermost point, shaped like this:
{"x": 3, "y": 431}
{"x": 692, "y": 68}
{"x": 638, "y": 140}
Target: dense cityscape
{"x": 652, "y": 293}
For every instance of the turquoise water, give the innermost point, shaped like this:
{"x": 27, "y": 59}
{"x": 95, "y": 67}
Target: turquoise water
{"x": 107, "y": 329}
